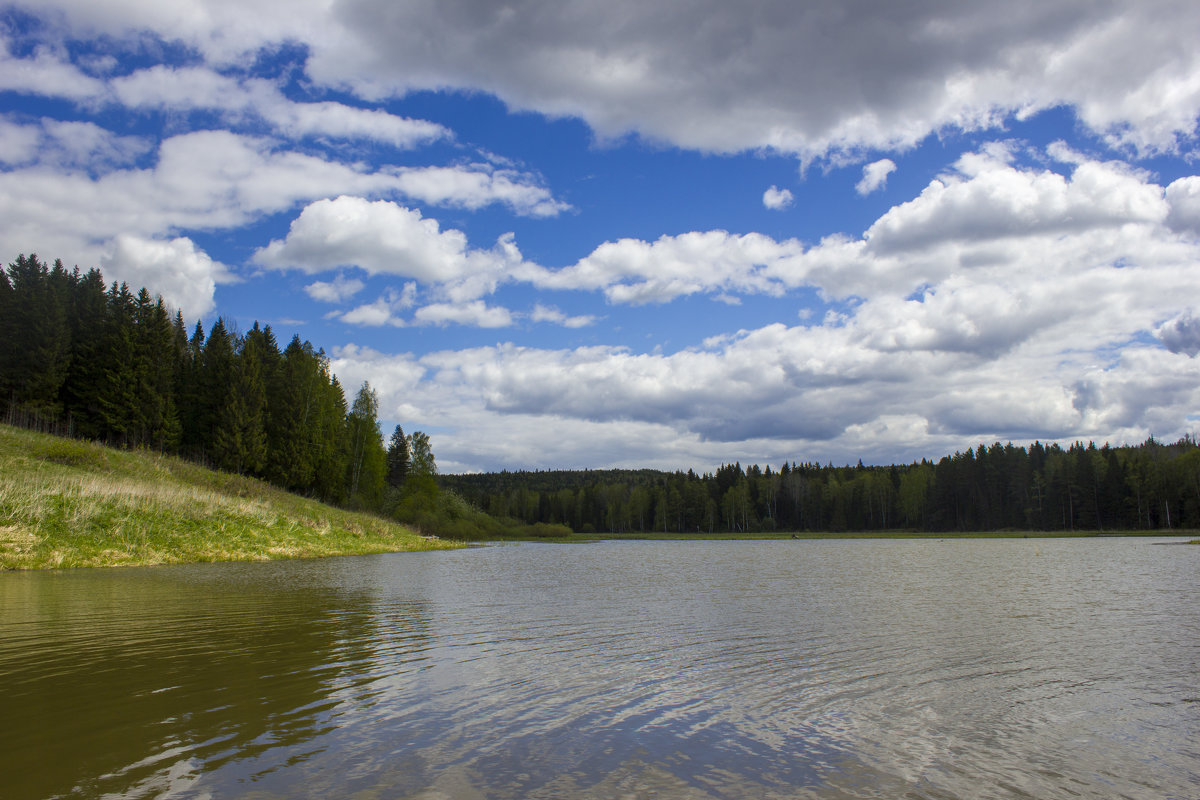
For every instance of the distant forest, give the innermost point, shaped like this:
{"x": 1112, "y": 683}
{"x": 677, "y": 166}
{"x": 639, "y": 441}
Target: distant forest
{"x": 1041, "y": 488}
{"x": 79, "y": 358}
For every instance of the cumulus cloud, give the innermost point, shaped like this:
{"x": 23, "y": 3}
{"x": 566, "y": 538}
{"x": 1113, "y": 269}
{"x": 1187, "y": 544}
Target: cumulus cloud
{"x": 1181, "y": 334}
{"x": 382, "y": 237}
{"x": 67, "y": 145}
{"x": 384, "y": 310}
{"x": 48, "y": 74}
{"x": 184, "y": 275}
{"x": 777, "y": 392}
{"x": 335, "y": 291}
{"x": 1183, "y": 196}
{"x": 475, "y": 313}
{"x": 638, "y": 272}
{"x": 976, "y": 318}
{"x": 875, "y": 176}
{"x": 478, "y": 185}
{"x": 777, "y": 199}
{"x": 811, "y": 79}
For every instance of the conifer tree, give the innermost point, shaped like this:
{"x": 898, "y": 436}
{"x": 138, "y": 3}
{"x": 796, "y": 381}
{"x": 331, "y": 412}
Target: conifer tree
{"x": 117, "y": 395}
{"x": 32, "y": 375}
{"x": 214, "y": 379}
{"x": 88, "y": 325}
{"x": 240, "y": 439}
{"x": 398, "y": 459}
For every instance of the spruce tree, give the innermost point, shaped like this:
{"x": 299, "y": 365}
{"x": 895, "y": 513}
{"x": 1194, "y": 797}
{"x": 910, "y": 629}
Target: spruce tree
{"x": 214, "y": 379}
{"x": 398, "y": 460}
{"x": 117, "y": 395}
{"x": 32, "y": 374}
{"x": 88, "y": 325}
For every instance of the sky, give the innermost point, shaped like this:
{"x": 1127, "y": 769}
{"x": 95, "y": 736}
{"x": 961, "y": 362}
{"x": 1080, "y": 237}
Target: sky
{"x": 601, "y": 233}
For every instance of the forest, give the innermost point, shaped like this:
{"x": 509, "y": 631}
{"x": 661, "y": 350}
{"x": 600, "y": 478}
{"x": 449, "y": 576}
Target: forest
{"x": 87, "y": 360}
{"x": 991, "y": 488}
{"x": 96, "y": 361}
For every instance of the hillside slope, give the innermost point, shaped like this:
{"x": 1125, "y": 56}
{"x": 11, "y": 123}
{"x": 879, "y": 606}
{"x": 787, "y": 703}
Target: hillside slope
{"x": 67, "y": 503}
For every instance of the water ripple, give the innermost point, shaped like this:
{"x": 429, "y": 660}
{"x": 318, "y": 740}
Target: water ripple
{"x": 973, "y": 669}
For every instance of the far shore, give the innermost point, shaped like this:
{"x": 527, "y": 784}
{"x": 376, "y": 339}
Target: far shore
{"x": 581, "y": 538}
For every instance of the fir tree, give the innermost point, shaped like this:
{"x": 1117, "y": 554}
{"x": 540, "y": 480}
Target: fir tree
{"x": 398, "y": 459}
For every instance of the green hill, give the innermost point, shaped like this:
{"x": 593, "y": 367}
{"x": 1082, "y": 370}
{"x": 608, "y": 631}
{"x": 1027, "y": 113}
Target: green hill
{"x": 69, "y": 503}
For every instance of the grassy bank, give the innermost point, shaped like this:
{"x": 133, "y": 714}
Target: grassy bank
{"x": 66, "y": 503}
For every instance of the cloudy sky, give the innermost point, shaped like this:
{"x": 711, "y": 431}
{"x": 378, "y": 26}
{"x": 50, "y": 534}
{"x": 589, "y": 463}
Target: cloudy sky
{"x": 673, "y": 234}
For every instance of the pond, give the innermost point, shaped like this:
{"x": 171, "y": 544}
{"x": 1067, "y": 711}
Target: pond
{"x": 981, "y": 668}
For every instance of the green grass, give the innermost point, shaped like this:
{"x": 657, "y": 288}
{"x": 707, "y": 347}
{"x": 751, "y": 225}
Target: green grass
{"x": 67, "y": 503}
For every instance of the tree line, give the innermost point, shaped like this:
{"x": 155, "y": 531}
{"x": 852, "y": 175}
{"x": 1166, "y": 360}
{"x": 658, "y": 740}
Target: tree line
{"x": 82, "y": 358}
{"x": 990, "y": 488}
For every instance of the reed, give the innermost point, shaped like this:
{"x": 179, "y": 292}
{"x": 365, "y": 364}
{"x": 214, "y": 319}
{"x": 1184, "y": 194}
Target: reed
{"x": 66, "y": 503}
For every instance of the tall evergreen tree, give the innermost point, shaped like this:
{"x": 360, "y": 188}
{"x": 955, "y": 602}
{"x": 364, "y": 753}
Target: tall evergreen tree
{"x": 117, "y": 396}
{"x": 88, "y": 325}
{"x": 214, "y": 379}
{"x": 32, "y": 375}
{"x": 398, "y": 459}
{"x": 189, "y": 390}
{"x": 240, "y": 438}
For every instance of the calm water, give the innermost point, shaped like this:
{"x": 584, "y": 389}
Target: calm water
{"x": 822, "y": 669}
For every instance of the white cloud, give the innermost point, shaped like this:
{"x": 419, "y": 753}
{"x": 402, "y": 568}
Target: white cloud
{"x": 184, "y": 275}
{"x": 384, "y": 310}
{"x": 811, "y": 79}
{"x": 477, "y": 186}
{"x": 19, "y": 144}
{"x": 475, "y": 313}
{"x": 205, "y": 180}
{"x": 555, "y": 316}
{"x": 777, "y": 199}
{"x": 192, "y": 88}
{"x": 1183, "y": 196}
{"x": 48, "y": 74}
{"x": 338, "y": 290}
{"x": 1002, "y": 303}
{"x": 67, "y": 145}
{"x": 875, "y": 176}
{"x": 384, "y": 238}
{"x": 634, "y": 271}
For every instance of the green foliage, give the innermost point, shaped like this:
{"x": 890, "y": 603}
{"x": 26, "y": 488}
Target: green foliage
{"x": 367, "y": 461}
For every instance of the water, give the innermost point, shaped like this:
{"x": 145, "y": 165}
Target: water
{"x": 790, "y": 669}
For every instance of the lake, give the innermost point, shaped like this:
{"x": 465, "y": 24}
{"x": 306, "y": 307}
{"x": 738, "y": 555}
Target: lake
{"x": 981, "y": 668}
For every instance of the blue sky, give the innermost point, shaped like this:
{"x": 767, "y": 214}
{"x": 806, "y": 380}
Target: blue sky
{"x": 670, "y": 235}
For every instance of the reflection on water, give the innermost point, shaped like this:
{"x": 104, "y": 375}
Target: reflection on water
{"x": 957, "y": 669}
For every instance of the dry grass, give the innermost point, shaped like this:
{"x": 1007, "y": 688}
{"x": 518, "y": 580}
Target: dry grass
{"x": 71, "y": 504}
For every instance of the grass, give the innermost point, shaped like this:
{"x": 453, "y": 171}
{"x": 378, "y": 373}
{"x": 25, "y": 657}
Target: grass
{"x": 67, "y": 503}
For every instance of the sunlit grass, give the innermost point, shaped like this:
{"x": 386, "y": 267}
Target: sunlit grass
{"x": 67, "y": 503}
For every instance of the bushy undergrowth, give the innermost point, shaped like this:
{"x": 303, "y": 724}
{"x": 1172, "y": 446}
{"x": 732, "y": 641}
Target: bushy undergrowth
{"x": 446, "y": 514}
